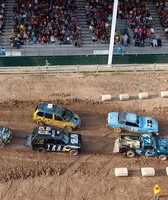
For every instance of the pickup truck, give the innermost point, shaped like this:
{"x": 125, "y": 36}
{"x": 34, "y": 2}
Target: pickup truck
{"x": 145, "y": 144}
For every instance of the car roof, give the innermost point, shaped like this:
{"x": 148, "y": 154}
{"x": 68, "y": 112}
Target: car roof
{"x": 47, "y": 132}
{"x": 51, "y": 108}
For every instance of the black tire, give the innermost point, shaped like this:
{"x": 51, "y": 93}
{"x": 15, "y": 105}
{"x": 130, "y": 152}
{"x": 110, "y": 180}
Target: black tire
{"x": 68, "y": 129}
{"x": 41, "y": 150}
{"x": 130, "y": 154}
{"x": 74, "y": 152}
{"x": 117, "y": 130}
{"x": 40, "y": 123}
{"x": 162, "y": 157}
{"x": 2, "y": 144}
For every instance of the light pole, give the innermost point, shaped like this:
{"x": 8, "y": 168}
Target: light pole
{"x": 113, "y": 26}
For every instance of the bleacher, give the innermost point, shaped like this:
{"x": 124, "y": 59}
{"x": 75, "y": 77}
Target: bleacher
{"x": 32, "y": 42}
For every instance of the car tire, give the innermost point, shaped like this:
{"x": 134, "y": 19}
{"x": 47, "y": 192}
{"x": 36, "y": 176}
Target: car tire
{"x": 68, "y": 129}
{"x": 74, "y": 152}
{"x": 162, "y": 157}
{"x": 130, "y": 154}
{"x": 41, "y": 150}
{"x": 2, "y": 144}
{"x": 40, "y": 123}
{"x": 117, "y": 130}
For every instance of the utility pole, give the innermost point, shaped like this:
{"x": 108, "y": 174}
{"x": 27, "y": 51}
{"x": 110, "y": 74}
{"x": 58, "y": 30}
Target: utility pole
{"x": 113, "y": 26}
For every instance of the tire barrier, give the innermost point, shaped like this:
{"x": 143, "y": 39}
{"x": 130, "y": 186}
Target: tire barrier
{"x": 143, "y": 95}
{"x": 164, "y": 94}
{"x": 106, "y": 97}
{"x": 148, "y": 171}
{"x": 121, "y": 171}
{"x": 123, "y": 97}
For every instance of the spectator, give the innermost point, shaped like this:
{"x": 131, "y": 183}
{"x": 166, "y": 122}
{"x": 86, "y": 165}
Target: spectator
{"x": 154, "y": 43}
{"x": 125, "y": 39}
{"x": 159, "y": 41}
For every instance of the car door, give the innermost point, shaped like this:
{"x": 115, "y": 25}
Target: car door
{"x": 54, "y": 145}
{"x": 58, "y": 121}
{"x": 149, "y": 151}
{"x": 48, "y": 118}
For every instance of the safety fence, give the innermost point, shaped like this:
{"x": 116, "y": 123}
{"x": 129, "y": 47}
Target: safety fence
{"x": 82, "y": 69}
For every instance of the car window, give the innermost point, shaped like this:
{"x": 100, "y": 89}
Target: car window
{"x": 40, "y": 114}
{"x": 48, "y": 116}
{"x": 57, "y": 118}
{"x": 131, "y": 124}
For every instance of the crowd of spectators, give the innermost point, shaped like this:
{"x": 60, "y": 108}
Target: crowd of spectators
{"x": 2, "y": 14}
{"x": 45, "y": 22}
{"x": 135, "y": 13}
{"x": 99, "y": 19}
{"x": 162, "y": 10}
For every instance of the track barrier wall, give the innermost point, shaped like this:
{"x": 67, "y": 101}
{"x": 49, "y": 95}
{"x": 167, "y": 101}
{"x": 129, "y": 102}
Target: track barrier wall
{"x": 82, "y": 60}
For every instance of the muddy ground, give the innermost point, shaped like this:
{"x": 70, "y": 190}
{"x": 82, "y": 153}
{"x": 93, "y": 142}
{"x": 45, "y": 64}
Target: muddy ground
{"x": 28, "y": 175}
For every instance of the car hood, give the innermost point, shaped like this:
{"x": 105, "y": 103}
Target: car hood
{"x": 75, "y": 120}
{"x": 152, "y": 127}
{"x": 75, "y": 140}
{"x": 162, "y": 145}
{"x": 112, "y": 119}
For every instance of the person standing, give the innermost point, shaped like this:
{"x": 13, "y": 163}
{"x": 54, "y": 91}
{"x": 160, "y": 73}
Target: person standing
{"x": 125, "y": 39}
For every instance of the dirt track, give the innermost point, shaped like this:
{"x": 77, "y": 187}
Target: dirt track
{"x": 25, "y": 174}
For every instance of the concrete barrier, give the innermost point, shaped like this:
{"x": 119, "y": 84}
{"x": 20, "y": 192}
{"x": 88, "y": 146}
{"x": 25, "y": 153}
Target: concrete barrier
{"x": 167, "y": 170}
{"x": 148, "y": 171}
{"x": 164, "y": 94}
{"x": 143, "y": 95}
{"x": 106, "y": 97}
{"x": 123, "y": 97}
{"x": 121, "y": 171}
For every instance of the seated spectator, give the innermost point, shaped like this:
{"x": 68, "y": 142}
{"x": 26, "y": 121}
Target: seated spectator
{"x": 142, "y": 43}
{"x": 159, "y": 41}
{"x": 154, "y": 43}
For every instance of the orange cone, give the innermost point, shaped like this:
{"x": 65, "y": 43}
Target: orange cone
{"x": 157, "y": 190}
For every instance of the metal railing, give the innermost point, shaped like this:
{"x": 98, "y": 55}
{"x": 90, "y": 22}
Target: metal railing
{"x": 82, "y": 69}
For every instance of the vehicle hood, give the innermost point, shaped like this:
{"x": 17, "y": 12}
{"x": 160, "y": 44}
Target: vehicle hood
{"x": 5, "y": 135}
{"x": 112, "y": 119}
{"x": 151, "y": 127}
{"x": 75, "y": 120}
{"x": 162, "y": 145}
{"x": 75, "y": 140}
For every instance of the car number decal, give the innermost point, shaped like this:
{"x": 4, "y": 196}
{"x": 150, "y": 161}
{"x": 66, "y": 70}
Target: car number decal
{"x": 54, "y": 147}
{"x": 135, "y": 129}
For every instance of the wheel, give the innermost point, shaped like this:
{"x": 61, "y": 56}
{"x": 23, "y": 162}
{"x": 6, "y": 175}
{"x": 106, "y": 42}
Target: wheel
{"x": 74, "y": 152}
{"x": 162, "y": 157}
{"x": 41, "y": 150}
{"x": 1, "y": 144}
{"x": 68, "y": 129}
{"x": 117, "y": 130}
{"x": 40, "y": 123}
{"x": 130, "y": 154}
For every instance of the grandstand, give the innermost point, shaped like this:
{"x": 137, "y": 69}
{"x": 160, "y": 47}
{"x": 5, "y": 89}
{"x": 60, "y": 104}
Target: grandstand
{"x": 80, "y": 19}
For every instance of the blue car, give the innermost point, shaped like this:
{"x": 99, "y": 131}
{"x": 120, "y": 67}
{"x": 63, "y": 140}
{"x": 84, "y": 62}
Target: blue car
{"x": 119, "y": 121}
{"x": 145, "y": 144}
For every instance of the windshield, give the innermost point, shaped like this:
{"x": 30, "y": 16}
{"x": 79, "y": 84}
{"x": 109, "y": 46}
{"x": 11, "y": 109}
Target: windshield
{"x": 67, "y": 115}
{"x": 65, "y": 138}
{"x": 122, "y": 118}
